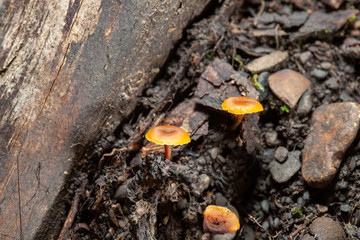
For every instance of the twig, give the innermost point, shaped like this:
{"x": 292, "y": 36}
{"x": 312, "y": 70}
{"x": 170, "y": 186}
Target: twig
{"x": 277, "y": 36}
{"x": 262, "y": 8}
{"x": 112, "y": 153}
{"x": 257, "y": 223}
{"x": 71, "y": 216}
{"x": 299, "y": 66}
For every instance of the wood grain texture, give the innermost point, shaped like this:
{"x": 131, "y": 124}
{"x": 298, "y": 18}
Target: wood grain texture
{"x": 65, "y": 67}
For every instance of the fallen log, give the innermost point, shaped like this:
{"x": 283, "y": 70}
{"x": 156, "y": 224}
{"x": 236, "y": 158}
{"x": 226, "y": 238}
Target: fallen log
{"x": 65, "y": 68}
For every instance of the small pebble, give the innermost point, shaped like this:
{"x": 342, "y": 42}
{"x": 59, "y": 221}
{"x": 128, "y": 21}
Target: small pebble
{"x": 111, "y": 138}
{"x": 321, "y": 208}
{"x": 332, "y": 83}
{"x": 345, "y": 208}
{"x": 266, "y": 225}
{"x": 220, "y": 199}
{"x": 306, "y": 196}
{"x": 305, "y": 56}
{"x": 267, "y": 62}
{"x": 263, "y": 80}
{"x": 305, "y": 103}
{"x": 283, "y": 172}
{"x": 248, "y": 233}
{"x": 271, "y": 138}
{"x": 182, "y": 204}
{"x": 121, "y": 192}
{"x": 325, "y": 65}
{"x": 276, "y": 223}
{"x": 201, "y": 160}
{"x": 281, "y": 154}
{"x": 288, "y": 200}
{"x": 204, "y": 182}
{"x": 214, "y": 152}
{"x": 265, "y": 206}
{"x": 319, "y": 74}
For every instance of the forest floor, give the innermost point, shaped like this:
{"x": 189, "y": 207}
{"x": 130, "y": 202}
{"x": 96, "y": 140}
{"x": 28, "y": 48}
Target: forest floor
{"x": 125, "y": 189}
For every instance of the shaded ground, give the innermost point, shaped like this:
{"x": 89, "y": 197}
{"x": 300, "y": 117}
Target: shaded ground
{"x": 126, "y": 190}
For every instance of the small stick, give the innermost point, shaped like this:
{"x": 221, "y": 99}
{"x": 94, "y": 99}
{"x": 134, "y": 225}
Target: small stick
{"x": 276, "y": 36}
{"x": 257, "y": 223}
{"x": 71, "y": 216}
{"x": 262, "y": 8}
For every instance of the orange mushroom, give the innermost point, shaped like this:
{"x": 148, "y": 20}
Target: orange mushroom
{"x": 238, "y": 106}
{"x": 167, "y": 136}
{"x": 220, "y": 220}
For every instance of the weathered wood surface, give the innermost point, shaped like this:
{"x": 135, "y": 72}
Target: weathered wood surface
{"x": 65, "y": 67}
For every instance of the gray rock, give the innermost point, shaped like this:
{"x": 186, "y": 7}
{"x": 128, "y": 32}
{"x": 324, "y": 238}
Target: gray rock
{"x": 271, "y": 138}
{"x": 305, "y": 103}
{"x": 265, "y": 206}
{"x": 267, "y": 62}
{"x": 332, "y": 83}
{"x": 121, "y": 192}
{"x": 305, "y": 56}
{"x": 276, "y": 223}
{"x": 182, "y": 204}
{"x": 345, "y": 208}
{"x": 319, "y": 74}
{"x": 281, "y": 154}
{"x": 266, "y": 225}
{"x": 220, "y": 200}
{"x": 263, "y": 80}
{"x": 214, "y": 152}
{"x": 346, "y": 97}
{"x": 283, "y": 172}
{"x": 306, "y": 196}
{"x": 325, "y": 65}
{"x": 201, "y": 160}
{"x": 204, "y": 182}
{"x": 248, "y": 233}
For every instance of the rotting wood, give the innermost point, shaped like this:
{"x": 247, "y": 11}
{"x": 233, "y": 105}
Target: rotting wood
{"x": 65, "y": 68}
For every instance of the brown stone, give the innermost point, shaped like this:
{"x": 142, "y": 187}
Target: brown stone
{"x": 267, "y": 62}
{"x": 289, "y": 86}
{"x": 334, "y": 128}
{"x": 325, "y": 228}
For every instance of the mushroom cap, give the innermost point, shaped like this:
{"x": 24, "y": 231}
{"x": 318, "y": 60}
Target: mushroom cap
{"x": 167, "y": 135}
{"x": 241, "y": 105}
{"x": 220, "y": 220}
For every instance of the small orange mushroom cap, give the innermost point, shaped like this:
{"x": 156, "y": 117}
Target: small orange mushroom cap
{"x": 168, "y": 135}
{"x": 220, "y": 220}
{"x": 241, "y": 105}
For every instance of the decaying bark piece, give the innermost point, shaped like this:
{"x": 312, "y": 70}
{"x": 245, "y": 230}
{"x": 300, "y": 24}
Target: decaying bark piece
{"x": 220, "y": 81}
{"x": 66, "y": 67}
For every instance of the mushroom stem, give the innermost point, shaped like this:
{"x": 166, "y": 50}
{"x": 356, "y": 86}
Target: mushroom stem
{"x": 167, "y": 152}
{"x": 238, "y": 119}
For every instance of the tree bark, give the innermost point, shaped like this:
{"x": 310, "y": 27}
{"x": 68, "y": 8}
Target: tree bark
{"x": 66, "y": 67}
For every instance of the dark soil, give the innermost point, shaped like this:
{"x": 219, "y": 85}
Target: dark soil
{"x": 117, "y": 194}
